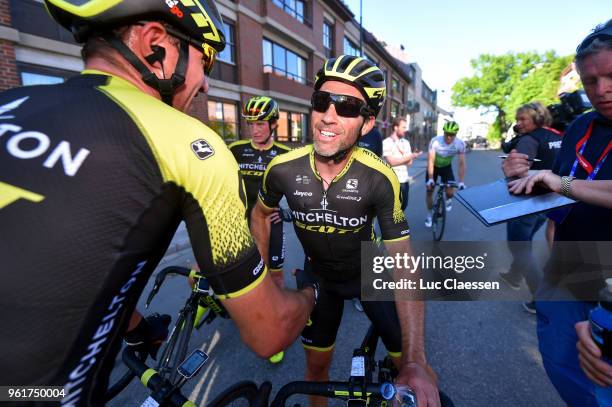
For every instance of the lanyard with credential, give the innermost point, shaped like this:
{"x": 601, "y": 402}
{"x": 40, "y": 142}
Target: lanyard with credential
{"x": 559, "y": 215}
{"x": 591, "y": 172}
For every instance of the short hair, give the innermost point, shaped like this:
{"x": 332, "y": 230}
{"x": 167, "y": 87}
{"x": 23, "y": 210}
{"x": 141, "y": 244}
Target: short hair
{"x": 596, "y": 46}
{"x": 397, "y": 121}
{"x": 96, "y": 45}
{"x": 539, "y": 114}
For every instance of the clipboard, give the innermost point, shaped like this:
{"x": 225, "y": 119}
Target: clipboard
{"x": 493, "y": 203}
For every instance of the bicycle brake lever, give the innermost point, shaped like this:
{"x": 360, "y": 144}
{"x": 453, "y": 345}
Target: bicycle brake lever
{"x": 152, "y": 294}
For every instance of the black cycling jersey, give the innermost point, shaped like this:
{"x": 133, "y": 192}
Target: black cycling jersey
{"x": 95, "y": 177}
{"x": 253, "y": 162}
{"x": 332, "y": 224}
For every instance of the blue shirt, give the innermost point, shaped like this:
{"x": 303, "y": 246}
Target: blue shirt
{"x": 372, "y": 141}
{"x": 586, "y": 222}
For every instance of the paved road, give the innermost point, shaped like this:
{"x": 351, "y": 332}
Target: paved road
{"x": 485, "y": 353}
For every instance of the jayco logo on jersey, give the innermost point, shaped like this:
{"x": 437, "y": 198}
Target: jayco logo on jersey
{"x": 202, "y": 149}
{"x": 302, "y": 193}
{"x": 554, "y": 144}
{"x": 26, "y": 145}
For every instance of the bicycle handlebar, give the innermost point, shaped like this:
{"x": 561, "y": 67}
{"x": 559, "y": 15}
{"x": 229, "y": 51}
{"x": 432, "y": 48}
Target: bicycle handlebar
{"x": 326, "y": 389}
{"x": 447, "y": 184}
{"x": 161, "y": 276}
{"x": 159, "y": 386}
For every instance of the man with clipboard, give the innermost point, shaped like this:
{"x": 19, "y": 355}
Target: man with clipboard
{"x": 583, "y": 171}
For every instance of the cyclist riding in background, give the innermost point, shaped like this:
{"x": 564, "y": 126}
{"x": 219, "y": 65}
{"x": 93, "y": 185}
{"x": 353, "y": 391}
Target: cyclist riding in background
{"x": 334, "y": 190}
{"x": 442, "y": 150}
{"x": 97, "y": 174}
{"x": 253, "y": 156}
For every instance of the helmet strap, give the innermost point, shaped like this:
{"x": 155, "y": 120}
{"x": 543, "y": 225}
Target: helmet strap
{"x": 165, "y": 87}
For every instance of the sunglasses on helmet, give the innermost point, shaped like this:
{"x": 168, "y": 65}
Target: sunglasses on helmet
{"x": 603, "y": 33}
{"x": 346, "y": 106}
{"x": 210, "y": 54}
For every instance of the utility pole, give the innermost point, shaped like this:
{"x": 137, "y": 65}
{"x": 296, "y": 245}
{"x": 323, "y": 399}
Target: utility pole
{"x": 361, "y": 28}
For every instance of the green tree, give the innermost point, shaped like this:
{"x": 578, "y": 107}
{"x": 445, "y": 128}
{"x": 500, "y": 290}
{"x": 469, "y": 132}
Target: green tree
{"x": 501, "y": 83}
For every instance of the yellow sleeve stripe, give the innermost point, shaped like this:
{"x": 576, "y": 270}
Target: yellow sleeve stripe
{"x": 399, "y": 239}
{"x": 395, "y": 354}
{"x": 263, "y": 203}
{"x": 246, "y": 289}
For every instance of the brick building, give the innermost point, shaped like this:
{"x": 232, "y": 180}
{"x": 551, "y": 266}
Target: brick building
{"x": 274, "y": 48}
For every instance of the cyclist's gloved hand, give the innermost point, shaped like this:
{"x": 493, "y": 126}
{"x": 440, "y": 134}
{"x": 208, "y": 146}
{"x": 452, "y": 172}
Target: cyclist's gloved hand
{"x": 149, "y": 334}
{"x": 461, "y": 186}
{"x": 430, "y": 183}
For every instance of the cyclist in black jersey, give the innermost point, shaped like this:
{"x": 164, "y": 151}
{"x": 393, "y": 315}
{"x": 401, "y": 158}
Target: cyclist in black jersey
{"x": 95, "y": 176}
{"x": 334, "y": 190}
{"x": 253, "y": 156}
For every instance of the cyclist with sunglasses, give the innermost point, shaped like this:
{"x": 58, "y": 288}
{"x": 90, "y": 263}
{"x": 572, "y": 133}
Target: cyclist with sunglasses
{"x": 334, "y": 190}
{"x": 96, "y": 175}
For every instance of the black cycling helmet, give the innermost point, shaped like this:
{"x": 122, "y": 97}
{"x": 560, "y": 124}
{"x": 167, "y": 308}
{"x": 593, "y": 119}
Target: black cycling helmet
{"x": 359, "y": 72}
{"x": 195, "y": 22}
{"x": 200, "y": 21}
{"x": 260, "y": 108}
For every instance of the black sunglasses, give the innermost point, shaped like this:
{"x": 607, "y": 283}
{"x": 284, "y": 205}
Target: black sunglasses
{"x": 346, "y": 106}
{"x": 601, "y": 33}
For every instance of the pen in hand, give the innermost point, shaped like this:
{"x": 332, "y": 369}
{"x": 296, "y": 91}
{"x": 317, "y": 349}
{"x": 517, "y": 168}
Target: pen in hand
{"x": 531, "y": 160}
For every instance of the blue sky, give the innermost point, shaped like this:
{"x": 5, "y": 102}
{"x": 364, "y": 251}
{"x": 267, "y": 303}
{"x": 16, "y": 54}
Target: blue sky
{"x": 443, "y": 35}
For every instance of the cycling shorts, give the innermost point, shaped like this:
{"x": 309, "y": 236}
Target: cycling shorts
{"x": 445, "y": 173}
{"x": 322, "y": 327}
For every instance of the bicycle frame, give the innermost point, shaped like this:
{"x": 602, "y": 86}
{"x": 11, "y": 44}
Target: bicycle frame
{"x": 175, "y": 350}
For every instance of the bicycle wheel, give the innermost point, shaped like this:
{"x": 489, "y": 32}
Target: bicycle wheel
{"x": 438, "y": 219}
{"x": 240, "y": 394}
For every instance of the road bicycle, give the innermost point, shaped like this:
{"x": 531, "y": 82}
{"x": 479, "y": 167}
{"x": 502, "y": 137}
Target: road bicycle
{"x": 173, "y": 368}
{"x": 438, "y": 211}
{"x": 359, "y": 390}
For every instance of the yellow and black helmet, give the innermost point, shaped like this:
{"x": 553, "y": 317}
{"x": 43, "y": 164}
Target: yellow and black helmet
{"x": 260, "y": 108}
{"x": 359, "y": 72}
{"x": 198, "y": 20}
